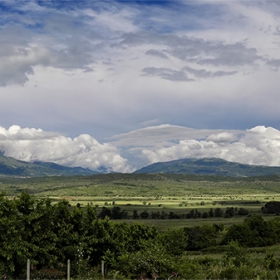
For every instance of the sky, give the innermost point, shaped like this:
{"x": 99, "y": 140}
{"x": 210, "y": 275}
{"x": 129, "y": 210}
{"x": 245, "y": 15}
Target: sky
{"x": 120, "y": 84}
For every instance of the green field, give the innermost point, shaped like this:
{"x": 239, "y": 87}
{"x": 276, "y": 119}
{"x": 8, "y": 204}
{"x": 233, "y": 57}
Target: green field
{"x": 154, "y": 193}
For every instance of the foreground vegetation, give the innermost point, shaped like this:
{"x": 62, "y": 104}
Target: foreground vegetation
{"x": 154, "y": 226}
{"x": 51, "y": 233}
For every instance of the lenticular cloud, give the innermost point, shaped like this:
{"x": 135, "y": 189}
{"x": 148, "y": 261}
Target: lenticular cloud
{"x": 29, "y": 144}
{"x": 258, "y": 146}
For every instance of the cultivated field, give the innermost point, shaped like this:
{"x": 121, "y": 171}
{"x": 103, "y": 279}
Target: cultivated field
{"x": 155, "y": 193}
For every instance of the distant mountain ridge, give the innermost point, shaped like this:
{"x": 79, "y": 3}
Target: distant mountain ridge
{"x": 13, "y": 167}
{"x": 210, "y": 166}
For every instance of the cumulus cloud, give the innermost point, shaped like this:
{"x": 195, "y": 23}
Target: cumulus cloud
{"x": 259, "y": 145}
{"x": 29, "y": 144}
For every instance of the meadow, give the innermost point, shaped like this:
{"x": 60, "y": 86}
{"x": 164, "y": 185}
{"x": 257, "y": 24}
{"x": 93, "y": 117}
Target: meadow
{"x": 153, "y": 193}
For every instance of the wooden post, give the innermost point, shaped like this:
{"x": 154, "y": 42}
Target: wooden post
{"x": 103, "y": 268}
{"x": 68, "y": 270}
{"x": 28, "y": 270}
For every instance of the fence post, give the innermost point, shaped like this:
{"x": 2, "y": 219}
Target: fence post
{"x": 103, "y": 268}
{"x": 68, "y": 270}
{"x": 28, "y": 270}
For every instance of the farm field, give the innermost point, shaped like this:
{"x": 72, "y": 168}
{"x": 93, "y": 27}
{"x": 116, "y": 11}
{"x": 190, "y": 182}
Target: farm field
{"x": 155, "y": 193}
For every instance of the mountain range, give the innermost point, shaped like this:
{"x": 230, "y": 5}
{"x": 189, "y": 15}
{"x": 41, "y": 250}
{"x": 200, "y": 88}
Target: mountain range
{"x": 13, "y": 167}
{"x": 205, "y": 166}
{"x": 210, "y": 166}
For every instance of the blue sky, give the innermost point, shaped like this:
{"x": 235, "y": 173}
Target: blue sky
{"x": 93, "y": 78}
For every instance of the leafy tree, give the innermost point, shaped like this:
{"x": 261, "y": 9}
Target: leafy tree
{"x": 271, "y": 207}
{"x": 230, "y": 212}
{"x": 13, "y": 249}
{"x": 154, "y": 262}
{"x": 172, "y": 215}
{"x": 105, "y": 212}
{"x": 174, "y": 241}
{"x": 151, "y": 262}
{"x": 200, "y": 237}
{"x": 205, "y": 215}
{"x": 238, "y": 233}
{"x": 218, "y": 212}
{"x": 116, "y": 213}
{"x": 211, "y": 213}
{"x": 144, "y": 214}
{"x": 252, "y": 233}
{"x": 135, "y": 214}
{"x": 242, "y": 212}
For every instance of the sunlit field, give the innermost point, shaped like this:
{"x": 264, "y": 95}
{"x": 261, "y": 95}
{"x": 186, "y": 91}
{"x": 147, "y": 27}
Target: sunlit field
{"x": 154, "y": 193}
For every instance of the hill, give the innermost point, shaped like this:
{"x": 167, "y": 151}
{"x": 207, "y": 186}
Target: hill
{"x": 209, "y": 166}
{"x": 13, "y": 167}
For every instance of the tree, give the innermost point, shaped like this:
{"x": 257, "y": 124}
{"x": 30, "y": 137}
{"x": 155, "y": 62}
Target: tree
{"x": 105, "y": 212}
{"x": 144, "y": 214}
{"x": 242, "y": 212}
{"x": 271, "y": 207}
{"x": 253, "y": 232}
{"x": 116, "y": 213}
{"x": 13, "y": 248}
{"x": 200, "y": 237}
{"x": 218, "y": 212}
{"x": 135, "y": 214}
{"x": 238, "y": 233}
{"x": 174, "y": 241}
{"x": 230, "y": 212}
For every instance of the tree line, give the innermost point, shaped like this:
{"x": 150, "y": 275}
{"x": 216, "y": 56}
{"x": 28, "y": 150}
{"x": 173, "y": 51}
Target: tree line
{"x": 116, "y": 213}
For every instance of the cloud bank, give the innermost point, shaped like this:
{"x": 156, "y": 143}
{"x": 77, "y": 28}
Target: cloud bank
{"x": 258, "y": 146}
{"x": 29, "y": 144}
{"x": 126, "y": 152}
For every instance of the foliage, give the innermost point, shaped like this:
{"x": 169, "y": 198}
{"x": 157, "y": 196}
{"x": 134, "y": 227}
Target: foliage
{"x": 200, "y": 237}
{"x": 254, "y": 232}
{"x": 174, "y": 241}
{"x": 271, "y": 207}
{"x": 49, "y": 233}
{"x": 153, "y": 262}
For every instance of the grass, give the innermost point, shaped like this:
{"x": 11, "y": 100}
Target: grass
{"x": 154, "y": 193}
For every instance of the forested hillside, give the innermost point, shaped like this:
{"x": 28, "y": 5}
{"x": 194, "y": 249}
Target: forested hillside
{"x": 13, "y": 167}
{"x": 210, "y": 166}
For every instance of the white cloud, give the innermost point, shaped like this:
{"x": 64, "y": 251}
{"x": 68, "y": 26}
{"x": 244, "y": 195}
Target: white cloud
{"x": 221, "y": 137}
{"x": 29, "y": 144}
{"x": 114, "y": 19}
{"x": 259, "y": 145}
{"x": 108, "y": 67}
